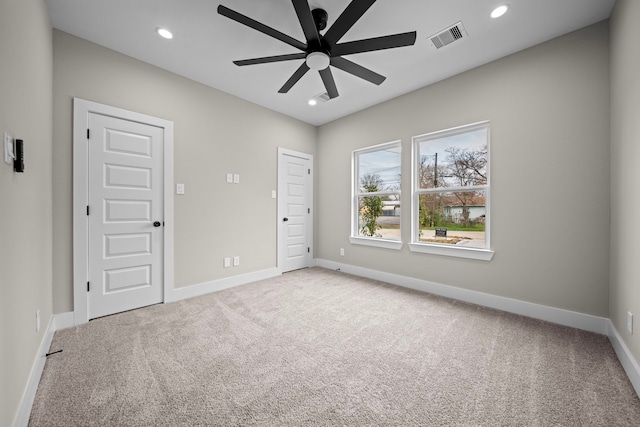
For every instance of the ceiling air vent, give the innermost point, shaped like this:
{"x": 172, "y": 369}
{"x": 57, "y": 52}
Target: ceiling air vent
{"x": 321, "y": 97}
{"x": 324, "y": 97}
{"x": 449, "y": 35}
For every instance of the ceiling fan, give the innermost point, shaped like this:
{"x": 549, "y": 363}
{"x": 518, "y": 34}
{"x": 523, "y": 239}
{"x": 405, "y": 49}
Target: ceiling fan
{"x": 321, "y": 51}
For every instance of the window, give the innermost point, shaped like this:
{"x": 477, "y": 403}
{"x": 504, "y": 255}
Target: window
{"x": 450, "y": 203}
{"x": 376, "y": 196}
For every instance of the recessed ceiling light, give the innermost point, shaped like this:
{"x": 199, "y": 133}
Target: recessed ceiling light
{"x": 164, "y": 33}
{"x": 499, "y": 11}
{"x": 312, "y": 102}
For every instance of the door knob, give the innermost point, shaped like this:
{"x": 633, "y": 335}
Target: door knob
{"x": 156, "y": 224}
{"x": 285, "y": 219}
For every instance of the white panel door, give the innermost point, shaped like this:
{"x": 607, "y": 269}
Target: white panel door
{"x": 294, "y": 211}
{"x": 125, "y": 181}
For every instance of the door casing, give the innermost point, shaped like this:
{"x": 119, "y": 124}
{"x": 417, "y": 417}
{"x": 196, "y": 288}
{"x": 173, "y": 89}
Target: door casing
{"x": 81, "y": 110}
{"x": 282, "y": 210}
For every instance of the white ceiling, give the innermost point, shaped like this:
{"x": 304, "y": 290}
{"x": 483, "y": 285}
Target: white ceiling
{"x": 205, "y": 43}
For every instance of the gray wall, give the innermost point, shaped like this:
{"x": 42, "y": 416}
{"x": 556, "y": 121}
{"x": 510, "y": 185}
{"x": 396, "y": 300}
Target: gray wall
{"x": 549, "y": 113}
{"x": 215, "y": 133}
{"x": 625, "y": 174}
{"x": 25, "y": 198}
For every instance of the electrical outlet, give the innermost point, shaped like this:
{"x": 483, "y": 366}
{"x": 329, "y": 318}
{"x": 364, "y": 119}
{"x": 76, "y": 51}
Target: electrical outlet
{"x": 630, "y": 322}
{"x": 227, "y": 262}
{"x": 229, "y": 178}
{"x": 341, "y": 251}
{"x": 236, "y": 261}
{"x": 37, "y": 320}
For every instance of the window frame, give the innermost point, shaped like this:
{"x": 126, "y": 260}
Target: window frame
{"x": 415, "y": 245}
{"x": 355, "y": 237}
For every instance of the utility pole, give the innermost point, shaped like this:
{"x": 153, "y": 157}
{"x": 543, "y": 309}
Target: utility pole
{"x": 435, "y": 173}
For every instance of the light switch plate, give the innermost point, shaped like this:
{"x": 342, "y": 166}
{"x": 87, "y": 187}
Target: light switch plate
{"x": 273, "y": 194}
{"x": 179, "y": 188}
{"x": 9, "y": 154}
{"x": 236, "y": 261}
{"x": 236, "y": 178}
{"x": 230, "y": 178}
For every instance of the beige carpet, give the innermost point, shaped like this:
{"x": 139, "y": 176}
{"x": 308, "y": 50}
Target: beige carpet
{"x": 323, "y": 348}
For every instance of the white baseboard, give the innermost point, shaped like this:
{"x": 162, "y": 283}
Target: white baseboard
{"x": 550, "y": 314}
{"x": 627, "y": 360}
{"x": 57, "y": 322}
{"x": 63, "y": 320}
{"x": 24, "y": 411}
{"x": 220, "y": 284}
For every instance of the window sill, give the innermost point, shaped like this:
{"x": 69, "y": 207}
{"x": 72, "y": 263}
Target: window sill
{"x": 380, "y": 243}
{"x": 454, "y": 251}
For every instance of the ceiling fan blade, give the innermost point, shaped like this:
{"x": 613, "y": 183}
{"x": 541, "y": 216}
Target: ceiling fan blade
{"x": 329, "y": 82}
{"x": 258, "y": 26}
{"x": 357, "y": 70}
{"x": 268, "y": 59}
{"x": 306, "y": 21}
{"x": 345, "y": 21}
{"x": 301, "y": 71}
{"x": 375, "y": 43}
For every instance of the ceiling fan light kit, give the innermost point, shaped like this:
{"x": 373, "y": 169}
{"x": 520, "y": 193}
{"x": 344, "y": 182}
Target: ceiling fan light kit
{"x": 317, "y": 60}
{"x": 321, "y": 52}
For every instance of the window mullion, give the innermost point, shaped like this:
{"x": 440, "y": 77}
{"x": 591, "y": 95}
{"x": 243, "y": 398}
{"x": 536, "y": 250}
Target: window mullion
{"x": 379, "y": 193}
{"x": 452, "y": 189}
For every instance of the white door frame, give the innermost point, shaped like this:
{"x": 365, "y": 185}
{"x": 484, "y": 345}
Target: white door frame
{"x": 81, "y": 110}
{"x": 281, "y": 209}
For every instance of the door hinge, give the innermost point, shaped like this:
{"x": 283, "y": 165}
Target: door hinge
{"x": 308, "y": 250}
{"x": 88, "y": 133}
{"x": 87, "y": 209}
{"x": 308, "y": 210}
{"x": 88, "y": 286}
{"x": 308, "y": 171}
